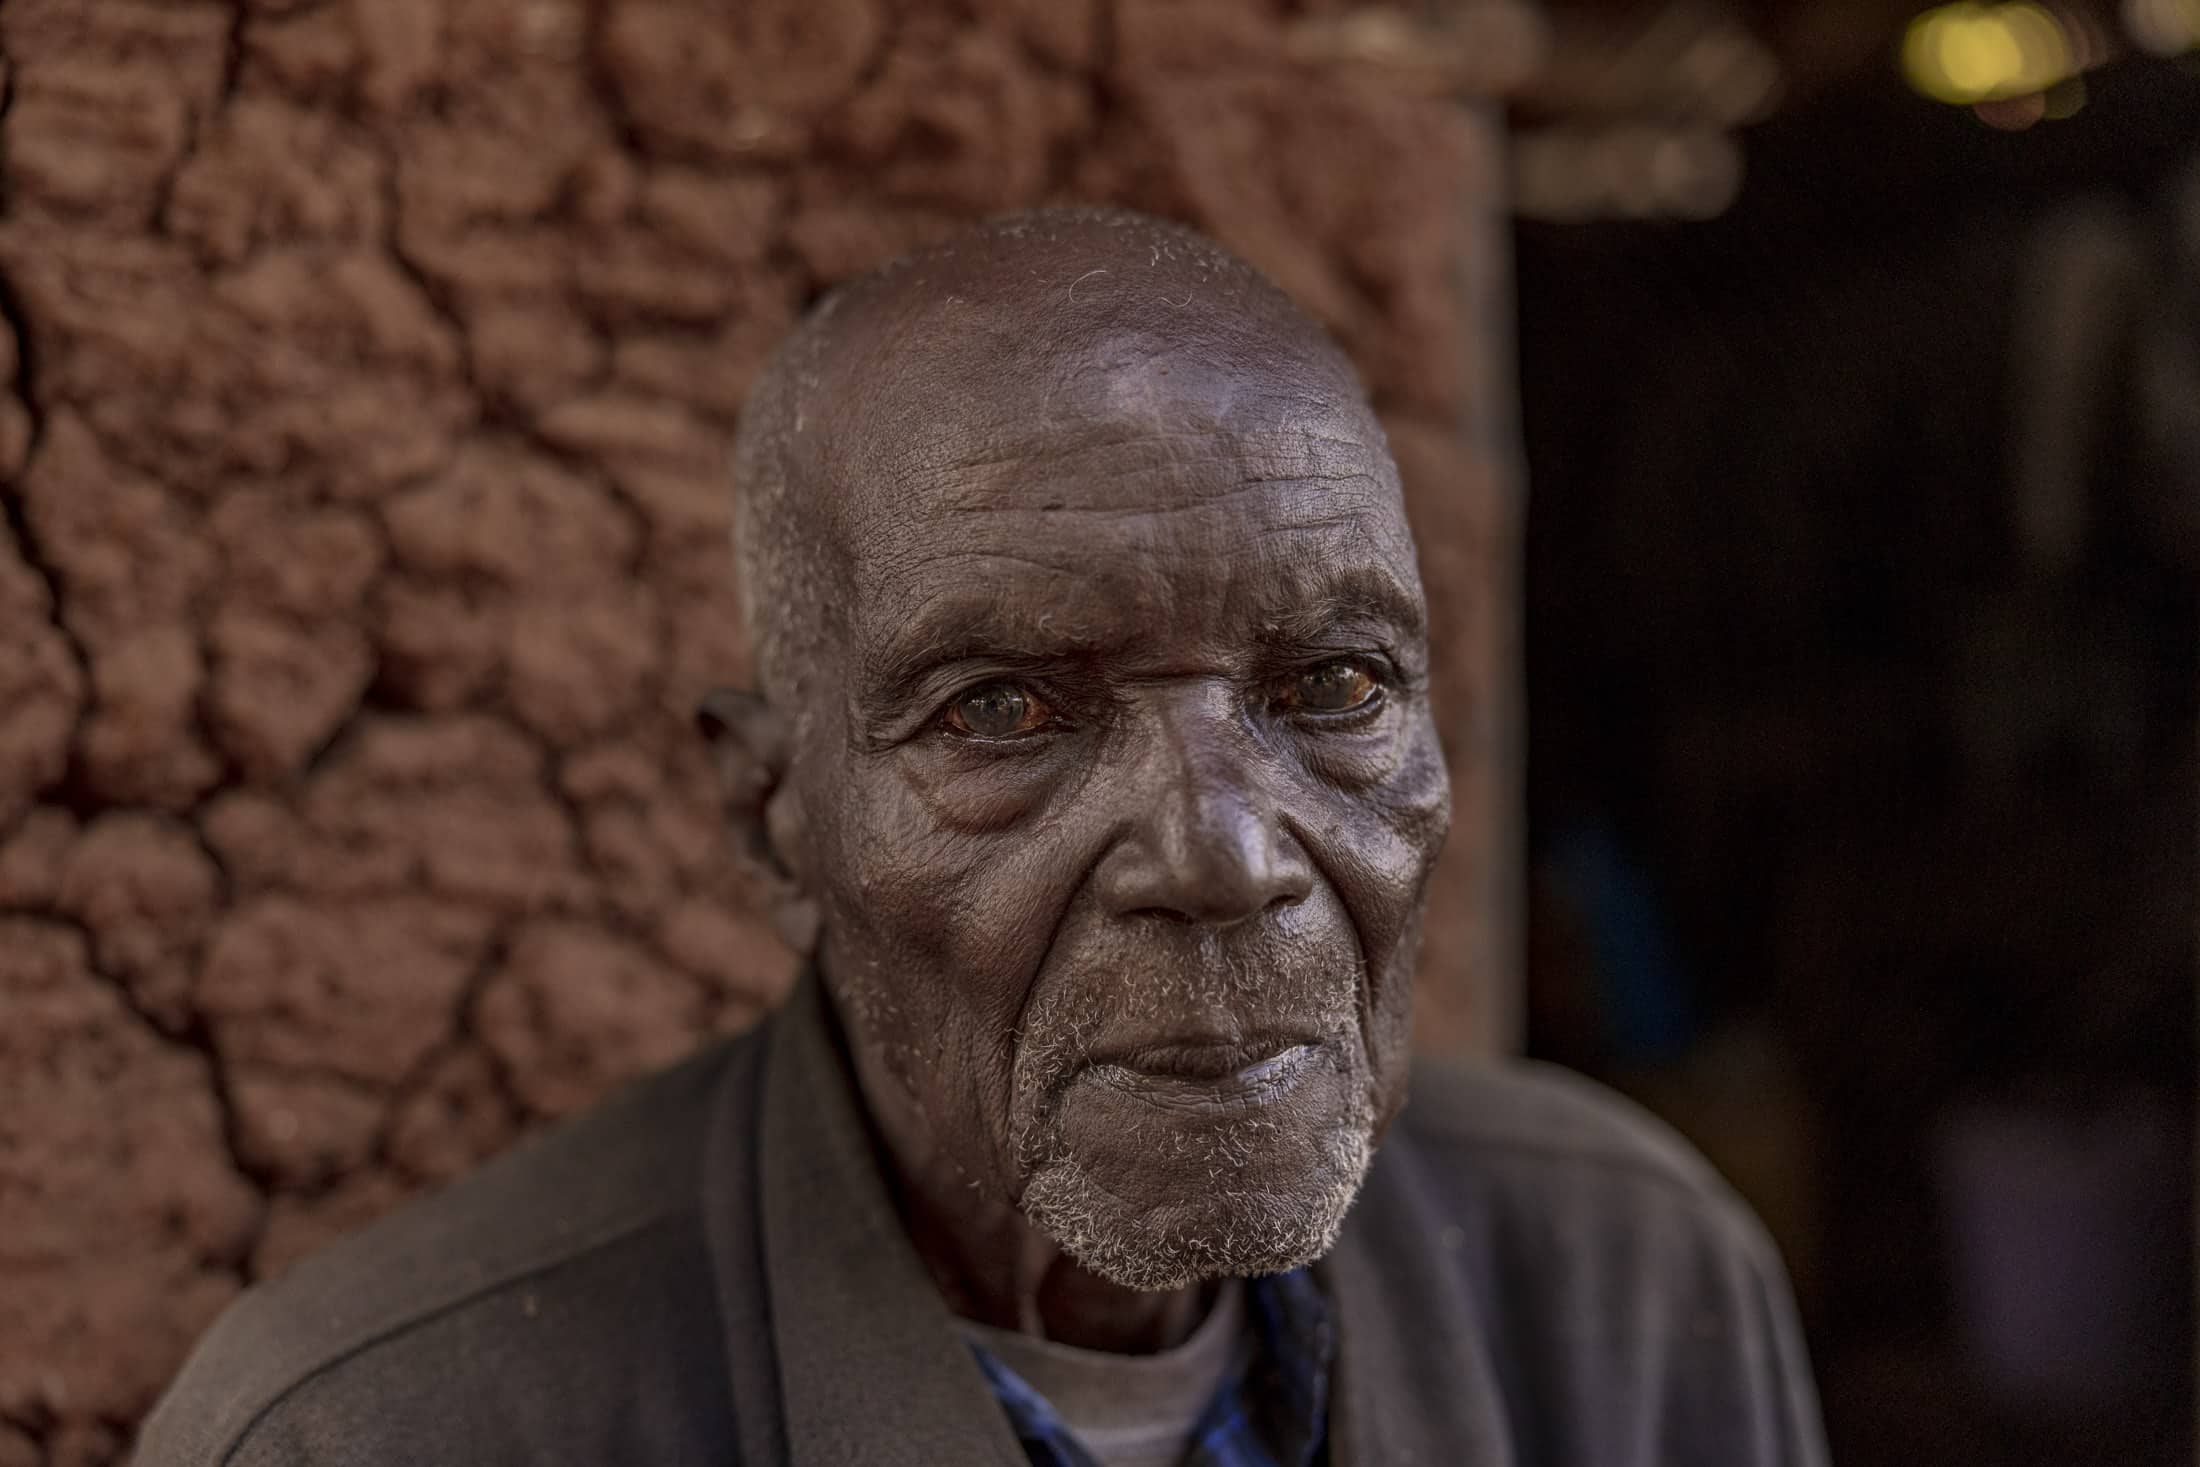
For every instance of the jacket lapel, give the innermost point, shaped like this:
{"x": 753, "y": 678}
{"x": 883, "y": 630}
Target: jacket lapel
{"x": 1414, "y": 1384}
{"x": 870, "y": 1367}
{"x": 733, "y": 1223}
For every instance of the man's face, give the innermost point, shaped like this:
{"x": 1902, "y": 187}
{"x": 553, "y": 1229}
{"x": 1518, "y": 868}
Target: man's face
{"x": 1121, "y": 799}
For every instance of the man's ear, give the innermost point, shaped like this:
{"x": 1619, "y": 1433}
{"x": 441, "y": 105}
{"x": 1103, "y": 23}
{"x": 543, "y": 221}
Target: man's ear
{"x": 748, "y": 741}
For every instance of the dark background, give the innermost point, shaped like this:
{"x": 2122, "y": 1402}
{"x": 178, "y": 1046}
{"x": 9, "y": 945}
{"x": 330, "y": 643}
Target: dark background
{"x": 1860, "y": 647}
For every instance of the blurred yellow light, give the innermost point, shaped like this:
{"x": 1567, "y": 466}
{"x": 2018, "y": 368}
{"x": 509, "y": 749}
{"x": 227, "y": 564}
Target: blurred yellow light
{"x": 1971, "y": 52}
{"x": 1978, "y": 55}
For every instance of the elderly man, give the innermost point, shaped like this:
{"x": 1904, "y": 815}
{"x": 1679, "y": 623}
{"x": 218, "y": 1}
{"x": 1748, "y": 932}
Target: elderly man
{"x": 1092, "y": 759}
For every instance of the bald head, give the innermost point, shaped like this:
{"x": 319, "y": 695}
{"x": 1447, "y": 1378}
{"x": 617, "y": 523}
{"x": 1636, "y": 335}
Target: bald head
{"x": 1047, "y": 333}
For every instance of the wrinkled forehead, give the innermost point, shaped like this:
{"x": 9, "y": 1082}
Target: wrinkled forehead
{"x": 1135, "y": 546}
{"x": 1082, "y": 430}
{"x": 1125, "y": 401}
{"x": 1138, "y": 399}
{"x": 1121, "y": 457}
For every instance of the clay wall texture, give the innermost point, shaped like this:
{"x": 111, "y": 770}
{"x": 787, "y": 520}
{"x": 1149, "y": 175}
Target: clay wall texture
{"x": 365, "y": 388}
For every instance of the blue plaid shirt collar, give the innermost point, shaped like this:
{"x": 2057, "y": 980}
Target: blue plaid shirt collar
{"x": 1271, "y": 1410}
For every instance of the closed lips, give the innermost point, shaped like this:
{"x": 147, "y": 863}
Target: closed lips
{"x": 1207, "y": 1061}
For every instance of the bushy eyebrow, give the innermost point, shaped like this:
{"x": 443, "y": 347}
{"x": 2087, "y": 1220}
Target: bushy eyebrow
{"x": 957, "y": 629}
{"x": 1315, "y": 606}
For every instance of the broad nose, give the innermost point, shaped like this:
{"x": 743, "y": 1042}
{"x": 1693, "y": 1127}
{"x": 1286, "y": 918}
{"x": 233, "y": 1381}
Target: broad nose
{"x": 1206, "y": 842}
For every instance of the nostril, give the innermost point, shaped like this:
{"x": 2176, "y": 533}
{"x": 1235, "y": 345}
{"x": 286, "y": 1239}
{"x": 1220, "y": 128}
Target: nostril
{"x": 1201, "y": 916}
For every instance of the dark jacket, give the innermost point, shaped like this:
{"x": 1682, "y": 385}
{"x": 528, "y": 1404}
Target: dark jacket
{"x": 707, "y": 1269}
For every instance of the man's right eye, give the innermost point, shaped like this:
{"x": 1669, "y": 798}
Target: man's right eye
{"x": 997, "y": 711}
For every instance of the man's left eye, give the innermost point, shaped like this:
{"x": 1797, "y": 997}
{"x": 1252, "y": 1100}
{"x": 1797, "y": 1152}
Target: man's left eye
{"x": 1343, "y": 686}
{"x": 997, "y": 711}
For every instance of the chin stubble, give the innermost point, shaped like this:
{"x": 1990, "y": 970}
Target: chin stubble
{"x": 1224, "y": 1230}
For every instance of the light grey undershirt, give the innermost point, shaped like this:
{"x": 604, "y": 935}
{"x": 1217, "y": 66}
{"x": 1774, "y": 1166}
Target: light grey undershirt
{"x": 1126, "y": 1410}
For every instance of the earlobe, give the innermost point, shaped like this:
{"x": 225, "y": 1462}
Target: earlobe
{"x": 746, "y": 743}
{"x": 749, "y": 745}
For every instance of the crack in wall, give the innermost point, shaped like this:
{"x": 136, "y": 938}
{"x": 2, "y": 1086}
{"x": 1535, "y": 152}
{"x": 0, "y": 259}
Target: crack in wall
{"x": 72, "y": 792}
{"x": 13, "y": 507}
{"x": 463, "y": 1036}
{"x": 493, "y": 409}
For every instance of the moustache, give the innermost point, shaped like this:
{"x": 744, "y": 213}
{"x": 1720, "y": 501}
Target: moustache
{"x": 1195, "y": 1003}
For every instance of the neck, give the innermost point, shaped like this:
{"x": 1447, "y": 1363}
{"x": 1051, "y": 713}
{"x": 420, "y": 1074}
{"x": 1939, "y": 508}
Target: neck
{"x": 993, "y": 1267}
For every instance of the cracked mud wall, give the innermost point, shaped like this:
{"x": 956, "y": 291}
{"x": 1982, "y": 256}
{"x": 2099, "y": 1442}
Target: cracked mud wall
{"x": 365, "y": 384}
